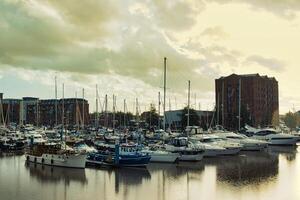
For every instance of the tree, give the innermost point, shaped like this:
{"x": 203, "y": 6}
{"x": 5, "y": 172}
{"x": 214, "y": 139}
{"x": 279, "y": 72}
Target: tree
{"x": 194, "y": 118}
{"x": 151, "y": 117}
{"x": 292, "y": 120}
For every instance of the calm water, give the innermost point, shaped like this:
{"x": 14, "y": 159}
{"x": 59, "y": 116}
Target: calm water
{"x": 274, "y": 174}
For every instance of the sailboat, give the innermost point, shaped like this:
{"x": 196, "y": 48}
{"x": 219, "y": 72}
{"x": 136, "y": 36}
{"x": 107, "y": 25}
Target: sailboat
{"x": 55, "y": 154}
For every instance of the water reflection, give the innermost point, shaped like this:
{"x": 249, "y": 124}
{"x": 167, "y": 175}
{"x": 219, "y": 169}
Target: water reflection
{"x": 249, "y": 168}
{"x": 289, "y": 152}
{"x": 130, "y": 177}
{"x": 48, "y": 174}
{"x": 272, "y": 174}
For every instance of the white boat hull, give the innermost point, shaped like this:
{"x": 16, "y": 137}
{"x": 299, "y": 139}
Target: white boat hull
{"x": 72, "y": 161}
{"x": 291, "y": 141}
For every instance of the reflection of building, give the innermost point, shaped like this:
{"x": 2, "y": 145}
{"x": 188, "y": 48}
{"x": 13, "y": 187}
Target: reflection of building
{"x": 30, "y": 110}
{"x": 174, "y": 118}
{"x": 259, "y": 104}
{"x": 255, "y": 167}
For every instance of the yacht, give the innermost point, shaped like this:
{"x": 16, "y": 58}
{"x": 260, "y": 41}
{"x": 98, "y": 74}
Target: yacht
{"x": 273, "y": 137}
{"x": 185, "y": 148}
{"x": 54, "y": 155}
{"x": 210, "y": 150}
{"x": 248, "y": 144}
{"x": 161, "y": 155}
{"x": 231, "y": 148}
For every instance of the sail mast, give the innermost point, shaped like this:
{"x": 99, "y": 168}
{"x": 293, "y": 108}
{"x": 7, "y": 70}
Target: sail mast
{"x": 188, "y": 107}
{"x": 56, "y": 101}
{"x": 165, "y": 84}
{"x": 83, "y": 108}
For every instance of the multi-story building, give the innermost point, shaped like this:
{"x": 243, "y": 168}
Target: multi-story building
{"x": 174, "y": 119}
{"x": 246, "y": 99}
{"x": 30, "y": 110}
{"x": 11, "y": 108}
{"x": 1, "y": 109}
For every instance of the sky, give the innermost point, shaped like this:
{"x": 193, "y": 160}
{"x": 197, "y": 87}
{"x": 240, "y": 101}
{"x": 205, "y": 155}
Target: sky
{"x": 119, "y": 45}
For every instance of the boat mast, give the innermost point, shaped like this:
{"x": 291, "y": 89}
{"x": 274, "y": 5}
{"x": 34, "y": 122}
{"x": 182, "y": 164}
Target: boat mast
{"x": 114, "y": 111}
{"x": 159, "y": 104}
{"x": 223, "y": 116}
{"x": 96, "y": 116}
{"x": 56, "y": 101}
{"x": 83, "y": 108}
{"x": 124, "y": 113}
{"x": 240, "y": 87}
{"x": 137, "y": 109}
{"x": 106, "y": 119}
{"x": 165, "y": 83}
{"x": 63, "y": 111}
{"x": 76, "y": 113}
{"x": 188, "y": 107}
{"x": 2, "y": 121}
{"x": 37, "y": 112}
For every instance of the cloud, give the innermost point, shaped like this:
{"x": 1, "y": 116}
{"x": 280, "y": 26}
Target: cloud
{"x": 215, "y": 32}
{"x": 85, "y": 38}
{"x": 270, "y": 63}
{"x": 284, "y": 8}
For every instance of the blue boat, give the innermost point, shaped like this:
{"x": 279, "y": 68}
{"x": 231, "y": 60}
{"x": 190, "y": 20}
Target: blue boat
{"x": 123, "y": 155}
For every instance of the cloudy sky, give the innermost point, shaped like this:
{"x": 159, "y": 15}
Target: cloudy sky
{"x": 120, "y": 45}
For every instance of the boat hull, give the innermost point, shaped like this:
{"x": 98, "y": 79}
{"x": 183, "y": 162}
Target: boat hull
{"x": 124, "y": 161}
{"x": 165, "y": 158}
{"x": 231, "y": 151}
{"x": 288, "y": 142}
{"x": 70, "y": 161}
{"x": 195, "y": 157}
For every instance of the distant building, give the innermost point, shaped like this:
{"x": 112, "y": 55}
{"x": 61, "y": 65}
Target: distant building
{"x": 11, "y": 108}
{"x": 31, "y": 110}
{"x": 1, "y": 108}
{"x": 174, "y": 119}
{"x": 259, "y": 104}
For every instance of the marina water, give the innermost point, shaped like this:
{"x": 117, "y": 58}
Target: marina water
{"x": 271, "y": 174}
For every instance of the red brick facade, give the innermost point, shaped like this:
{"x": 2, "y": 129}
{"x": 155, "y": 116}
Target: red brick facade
{"x": 259, "y": 100}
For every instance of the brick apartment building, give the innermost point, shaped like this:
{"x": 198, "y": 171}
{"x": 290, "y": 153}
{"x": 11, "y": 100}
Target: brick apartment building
{"x": 31, "y": 110}
{"x": 259, "y": 105}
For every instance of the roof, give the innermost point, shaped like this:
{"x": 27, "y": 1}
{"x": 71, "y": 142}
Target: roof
{"x": 247, "y": 76}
